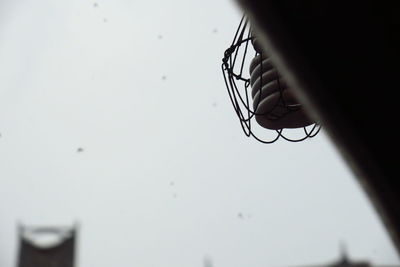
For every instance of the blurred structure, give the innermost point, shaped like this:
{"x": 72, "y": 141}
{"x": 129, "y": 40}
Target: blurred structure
{"x": 207, "y": 262}
{"x": 344, "y": 261}
{"x": 342, "y": 62}
{"x": 46, "y": 246}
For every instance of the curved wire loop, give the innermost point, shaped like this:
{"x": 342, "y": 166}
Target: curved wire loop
{"x": 239, "y": 89}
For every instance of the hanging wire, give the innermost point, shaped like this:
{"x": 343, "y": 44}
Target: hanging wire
{"x": 238, "y": 86}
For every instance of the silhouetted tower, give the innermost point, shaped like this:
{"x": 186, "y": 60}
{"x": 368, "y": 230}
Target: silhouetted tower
{"x": 344, "y": 260}
{"x": 46, "y": 246}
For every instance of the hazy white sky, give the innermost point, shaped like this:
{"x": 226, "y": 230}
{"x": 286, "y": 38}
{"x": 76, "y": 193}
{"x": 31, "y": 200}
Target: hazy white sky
{"x": 165, "y": 169}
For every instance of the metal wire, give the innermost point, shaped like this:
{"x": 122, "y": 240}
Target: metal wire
{"x": 238, "y": 84}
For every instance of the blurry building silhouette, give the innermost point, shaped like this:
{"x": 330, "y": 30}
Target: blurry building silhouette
{"x": 46, "y": 246}
{"x": 344, "y": 261}
{"x": 55, "y": 247}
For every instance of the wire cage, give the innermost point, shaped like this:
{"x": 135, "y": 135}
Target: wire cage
{"x": 262, "y": 95}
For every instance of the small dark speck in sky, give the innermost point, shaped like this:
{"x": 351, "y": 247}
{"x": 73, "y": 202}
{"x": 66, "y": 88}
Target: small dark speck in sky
{"x": 164, "y": 77}
{"x": 171, "y": 183}
{"x": 105, "y": 20}
{"x": 95, "y": 5}
{"x": 79, "y": 150}
{"x": 175, "y": 195}
{"x": 214, "y": 104}
{"x": 215, "y": 30}
{"x": 160, "y": 36}
{"x": 240, "y": 215}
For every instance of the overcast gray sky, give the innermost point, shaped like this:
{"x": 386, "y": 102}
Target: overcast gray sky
{"x": 166, "y": 177}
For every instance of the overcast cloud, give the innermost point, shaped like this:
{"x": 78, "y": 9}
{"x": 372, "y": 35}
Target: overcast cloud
{"x": 114, "y": 114}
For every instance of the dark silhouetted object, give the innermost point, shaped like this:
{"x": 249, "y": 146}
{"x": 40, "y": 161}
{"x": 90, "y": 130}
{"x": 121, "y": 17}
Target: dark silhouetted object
{"x": 46, "y": 247}
{"x": 345, "y": 262}
{"x": 343, "y": 61}
{"x": 274, "y": 105}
